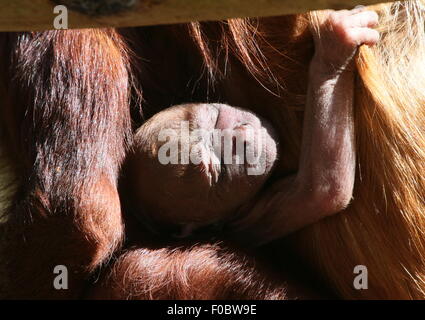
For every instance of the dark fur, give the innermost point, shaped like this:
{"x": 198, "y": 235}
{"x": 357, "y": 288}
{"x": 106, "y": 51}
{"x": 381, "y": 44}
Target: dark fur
{"x": 66, "y": 114}
{"x": 199, "y": 272}
{"x": 67, "y": 129}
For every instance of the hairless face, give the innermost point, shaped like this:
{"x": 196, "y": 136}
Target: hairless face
{"x": 195, "y": 164}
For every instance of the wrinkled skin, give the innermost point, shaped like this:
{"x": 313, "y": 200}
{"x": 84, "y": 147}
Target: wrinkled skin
{"x": 198, "y": 195}
{"x": 67, "y": 125}
{"x": 207, "y": 189}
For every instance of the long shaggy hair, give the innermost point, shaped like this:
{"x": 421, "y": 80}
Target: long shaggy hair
{"x": 384, "y": 227}
{"x": 186, "y": 273}
{"x": 65, "y": 123}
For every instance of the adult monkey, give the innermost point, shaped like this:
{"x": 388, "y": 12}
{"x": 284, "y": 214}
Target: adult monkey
{"x": 405, "y": 197}
{"x": 389, "y": 122}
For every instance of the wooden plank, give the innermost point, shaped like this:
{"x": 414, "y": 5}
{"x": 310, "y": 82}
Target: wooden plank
{"x": 20, "y": 15}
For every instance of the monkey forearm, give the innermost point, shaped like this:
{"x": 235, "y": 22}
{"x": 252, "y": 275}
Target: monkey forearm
{"x": 327, "y": 164}
{"x": 324, "y": 182}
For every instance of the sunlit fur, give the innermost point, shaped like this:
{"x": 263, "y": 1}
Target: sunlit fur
{"x": 199, "y": 272}
{"x": 384, "y": 227}
{"x": 65, "y": 123}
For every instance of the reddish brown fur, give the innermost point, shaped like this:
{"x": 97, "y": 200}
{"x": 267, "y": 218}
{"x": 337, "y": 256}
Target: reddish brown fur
{"x": 68, "y": 123}
{"x": 65, "y": 109}
{"x": 67, "y": 104}
{"x": 201, "y": 272}
{"x": 67, "y": 116}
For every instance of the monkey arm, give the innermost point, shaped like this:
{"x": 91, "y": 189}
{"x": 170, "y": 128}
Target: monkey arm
{"x": 324, "y": 183}
{"x": 327, "y": 164}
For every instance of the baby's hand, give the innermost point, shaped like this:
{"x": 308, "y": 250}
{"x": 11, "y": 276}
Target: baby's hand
{"x": 338, "y": 35}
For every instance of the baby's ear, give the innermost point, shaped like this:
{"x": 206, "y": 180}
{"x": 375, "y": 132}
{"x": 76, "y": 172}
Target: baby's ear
{"x": 145, "y": 140}
{"x": 139, "y": 137}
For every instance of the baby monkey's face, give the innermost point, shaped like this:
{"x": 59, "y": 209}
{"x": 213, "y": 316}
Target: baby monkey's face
{"x": 197, "y": 163}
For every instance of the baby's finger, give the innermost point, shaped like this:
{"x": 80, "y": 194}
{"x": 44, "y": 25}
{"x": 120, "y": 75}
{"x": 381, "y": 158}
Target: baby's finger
{"x": 359, "y": 36}
{"x": 362, "y": 19}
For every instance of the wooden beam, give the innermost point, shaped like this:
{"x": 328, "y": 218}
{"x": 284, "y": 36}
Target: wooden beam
{"x": 25, "y": 15}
